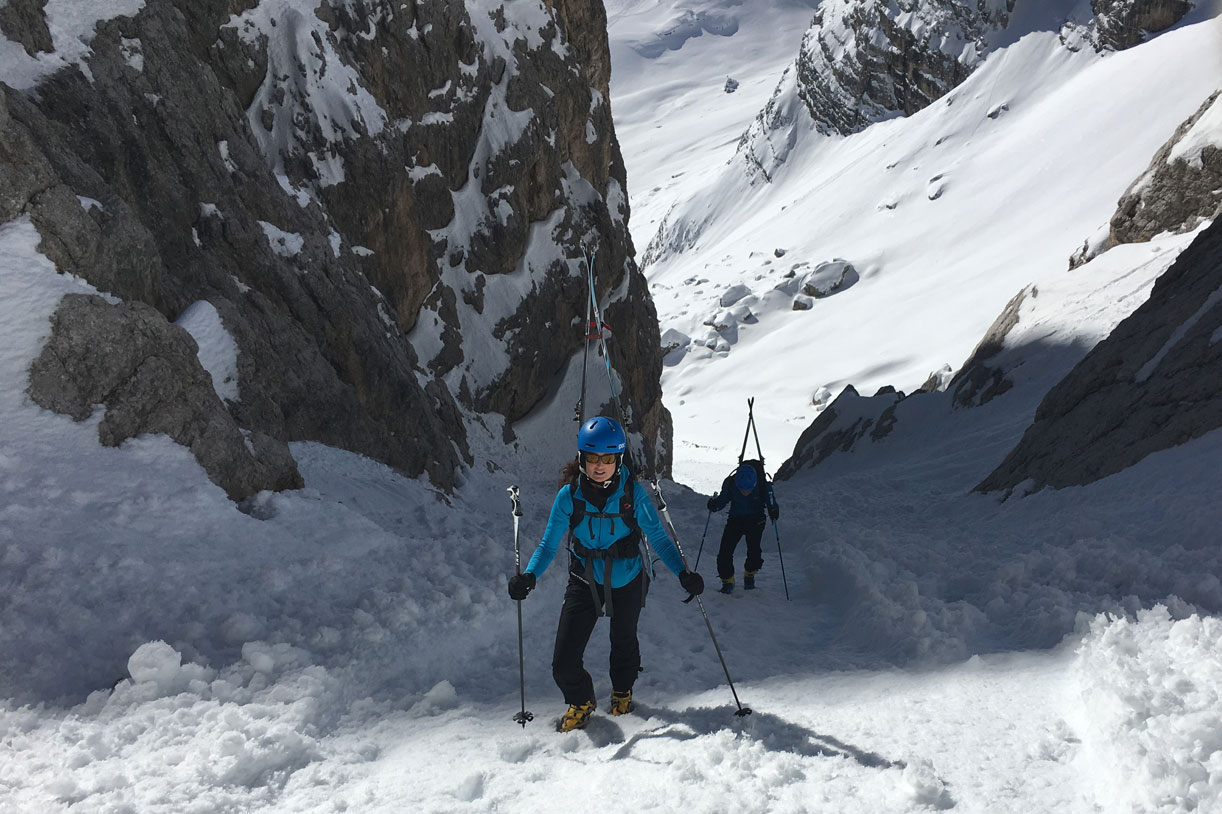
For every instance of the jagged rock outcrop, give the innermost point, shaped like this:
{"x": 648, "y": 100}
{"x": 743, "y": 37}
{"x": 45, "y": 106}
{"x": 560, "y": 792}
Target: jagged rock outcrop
{"x": 1121, "y": 24}
{"x": 1181, "y": 188}
{"x": 146, "y": 373}
{"x": 385, "y": 202}
{"x": 863, "y": 61}
{"x": 1151, "y": 384}
{"x": 844, "y": 422}
{"x": 977, "y": 382}
{"x": 1183, "y": 185}
{"x": 23, "y": 22}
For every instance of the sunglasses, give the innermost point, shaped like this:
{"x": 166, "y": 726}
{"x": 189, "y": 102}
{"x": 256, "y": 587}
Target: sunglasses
{"x": 595, "y": 458}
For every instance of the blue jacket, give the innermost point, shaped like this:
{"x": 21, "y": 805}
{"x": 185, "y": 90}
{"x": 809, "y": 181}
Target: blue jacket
{"x": 602, "y": 532}
{"x": 751, "y": 504}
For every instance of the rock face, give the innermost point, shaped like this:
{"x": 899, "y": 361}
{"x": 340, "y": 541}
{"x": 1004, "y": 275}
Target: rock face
{"x": 1181, "y": 188}
{"x": 840, "y": 426}
{"x": 1183, "y": 185}
{"x": 1150, "y": 385}
{"x": 1124, "y": 23}
{"x": 385, "y": 202}
{"x": 864, "y": 61}
{"x": 977, "y": 382}
{"x": 146, "y": 373}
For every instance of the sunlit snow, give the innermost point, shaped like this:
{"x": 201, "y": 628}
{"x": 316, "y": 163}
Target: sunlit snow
{"x": 350, "y": 646}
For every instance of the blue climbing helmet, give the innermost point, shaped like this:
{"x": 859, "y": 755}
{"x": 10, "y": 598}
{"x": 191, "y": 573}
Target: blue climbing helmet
{"x": 745, "y": 478}
{"x": 602, "y": 434}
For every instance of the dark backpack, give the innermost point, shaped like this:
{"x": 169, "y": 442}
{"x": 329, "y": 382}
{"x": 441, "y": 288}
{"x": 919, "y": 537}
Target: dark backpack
{"x": 625, "y": 548}
{"x": 627, "y": 508}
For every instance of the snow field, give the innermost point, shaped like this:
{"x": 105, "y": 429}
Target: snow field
{"x": 349, "y": 646}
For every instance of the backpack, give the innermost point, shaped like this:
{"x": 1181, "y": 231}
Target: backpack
{"x": 627, "y": 507}
{"x": 626, "y": 547}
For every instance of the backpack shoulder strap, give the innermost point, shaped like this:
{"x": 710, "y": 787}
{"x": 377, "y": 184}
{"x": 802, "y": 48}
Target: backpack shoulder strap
{"x": 627, "y": 504}
{"x": 579, "y": 505}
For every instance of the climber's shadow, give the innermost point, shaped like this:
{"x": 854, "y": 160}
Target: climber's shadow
{"x": 776, "y": 734}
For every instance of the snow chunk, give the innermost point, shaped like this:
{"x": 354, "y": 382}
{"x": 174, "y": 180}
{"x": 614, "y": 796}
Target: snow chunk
{"x": 157, "y": 671}
{"x": 156, "y": 662}
{"x": 440, "y": 698}
{"x": 675, "y": 345}
{"x": 222, "y": 147}
{"x": 924, "y": 785}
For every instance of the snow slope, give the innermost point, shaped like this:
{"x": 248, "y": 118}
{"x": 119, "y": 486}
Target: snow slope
{"x": 945, "y": 216}
{"x": 350, "y": 647}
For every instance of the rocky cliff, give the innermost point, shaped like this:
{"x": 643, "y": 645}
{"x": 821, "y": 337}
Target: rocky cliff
{"x": 1150, "y": 385}
{"x": 863, "y": 61}
{"x": 385, "y": 202}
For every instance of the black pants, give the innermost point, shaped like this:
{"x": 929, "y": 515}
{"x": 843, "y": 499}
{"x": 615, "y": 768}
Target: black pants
{"x": 736, "y": 527}
{"x": 577, "y": 618}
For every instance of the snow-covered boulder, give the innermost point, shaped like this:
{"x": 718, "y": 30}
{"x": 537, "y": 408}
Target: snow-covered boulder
{"x": 675, "y": 345}
{"x": 733, "y": 294}
{"x": 828, "y": 278}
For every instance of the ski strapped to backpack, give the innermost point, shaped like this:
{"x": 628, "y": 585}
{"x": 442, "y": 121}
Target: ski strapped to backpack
{"x": 764, "y": 481}
{"x": 626, "y": 548}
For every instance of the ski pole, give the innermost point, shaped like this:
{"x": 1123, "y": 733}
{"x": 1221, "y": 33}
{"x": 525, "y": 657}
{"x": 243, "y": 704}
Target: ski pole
{"x": 702, "y": 536}
{"x": 784, "y": 581}
{"x": 674, "y": 536}
{"x": 523, "y": 716}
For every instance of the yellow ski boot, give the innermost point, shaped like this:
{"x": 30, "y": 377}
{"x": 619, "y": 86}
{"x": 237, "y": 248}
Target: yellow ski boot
{"x": 577, "y": 717}
{"x": 621, "y": 702}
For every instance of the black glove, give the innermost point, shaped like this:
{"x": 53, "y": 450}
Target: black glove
{"x": 692, "y": 582}
{"x": 712, "y": 504}
{"x": 774, "y": 512}
{"x": 520, "y": 585}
